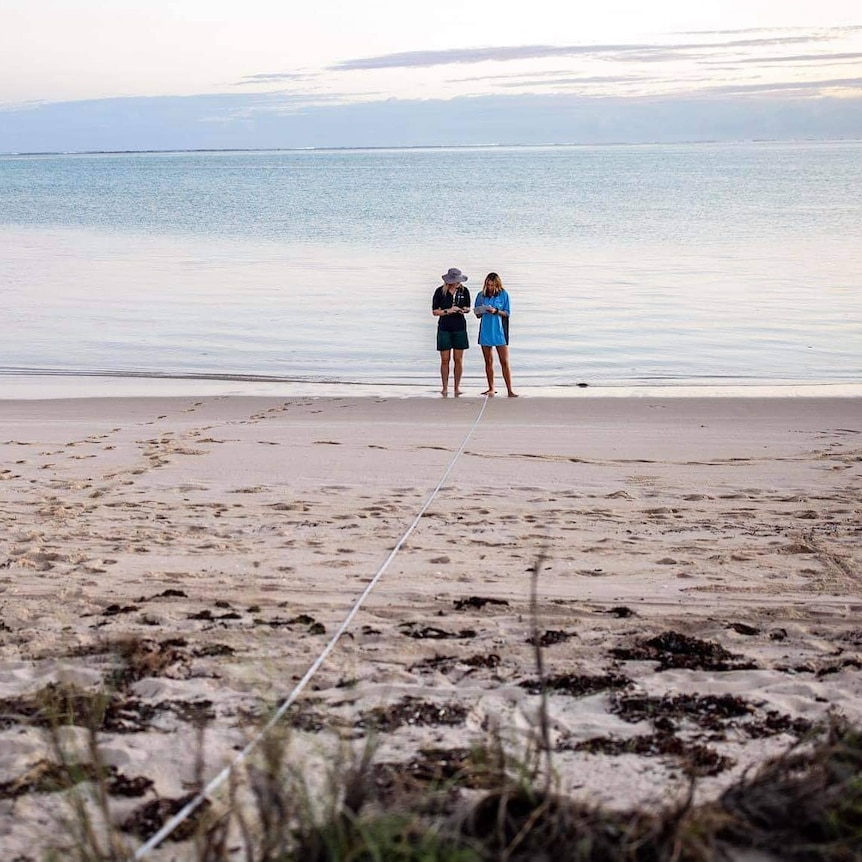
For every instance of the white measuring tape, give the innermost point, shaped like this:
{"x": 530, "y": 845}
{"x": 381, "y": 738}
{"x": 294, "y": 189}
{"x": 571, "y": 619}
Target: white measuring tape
{"x": 219, "y": 779}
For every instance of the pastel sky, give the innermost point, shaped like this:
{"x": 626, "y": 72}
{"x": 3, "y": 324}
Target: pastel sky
{"x": 248, "y": 63}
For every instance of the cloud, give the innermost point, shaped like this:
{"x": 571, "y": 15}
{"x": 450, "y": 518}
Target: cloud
{"x": 272, "y": 78}
{"x": 510, "y": 75}
{"x": 810, "y": 86}
{"x": 278, "y": 121}
{"x": 450, "y": 56}
{"x": 825, "y": 59}
{"x": 570, "y": 80}
{"x": 657, "y": 55}
{"x": 737, "y": 32}
{"x": 837, "y": 29}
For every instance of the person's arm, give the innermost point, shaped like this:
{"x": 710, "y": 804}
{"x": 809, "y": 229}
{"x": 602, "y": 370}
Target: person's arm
{"x": 464, "y": 305}
{"x": 436, "y": 310}
{"x": 480, "y": 307}
{"x": 445, "y": 312}
{"x": 492, "y": 309}
{"x": 504, "y": 310}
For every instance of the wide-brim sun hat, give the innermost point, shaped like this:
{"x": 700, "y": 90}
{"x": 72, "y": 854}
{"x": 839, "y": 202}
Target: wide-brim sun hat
{"x": 454, "y": 276}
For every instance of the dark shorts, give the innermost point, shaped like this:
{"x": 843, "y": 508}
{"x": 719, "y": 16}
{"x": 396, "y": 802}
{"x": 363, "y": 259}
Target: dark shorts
{"x": 452, "y": 340}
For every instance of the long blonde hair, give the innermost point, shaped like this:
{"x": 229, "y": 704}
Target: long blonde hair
{"x": 493, "y": 284}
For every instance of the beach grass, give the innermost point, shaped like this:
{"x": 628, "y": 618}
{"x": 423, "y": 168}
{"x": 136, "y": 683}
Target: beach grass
{"x": 803, "y": 806}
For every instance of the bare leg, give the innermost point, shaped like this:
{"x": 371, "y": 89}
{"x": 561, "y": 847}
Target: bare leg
{"x": 503, "y": 353}
{"x": 444, "y": 370}
{"x": 488, "y": 354}
{"x": 459, "y": 369}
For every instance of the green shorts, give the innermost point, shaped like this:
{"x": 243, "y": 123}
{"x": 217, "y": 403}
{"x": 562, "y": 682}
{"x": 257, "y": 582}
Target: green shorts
{"x": 452, "y": 340}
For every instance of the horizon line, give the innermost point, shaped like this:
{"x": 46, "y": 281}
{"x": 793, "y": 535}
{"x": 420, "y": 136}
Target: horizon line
{"x": 182, "y": 150}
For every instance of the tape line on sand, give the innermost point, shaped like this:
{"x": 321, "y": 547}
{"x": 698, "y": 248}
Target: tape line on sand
{"x": 222, "y": 776}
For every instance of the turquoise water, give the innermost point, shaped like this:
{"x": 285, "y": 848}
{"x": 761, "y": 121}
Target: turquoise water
{"x": 731, "y": 264}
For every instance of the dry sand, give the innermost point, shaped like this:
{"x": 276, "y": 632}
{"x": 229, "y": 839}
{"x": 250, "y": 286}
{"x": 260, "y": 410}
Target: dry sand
{"x": 233, "y": 535}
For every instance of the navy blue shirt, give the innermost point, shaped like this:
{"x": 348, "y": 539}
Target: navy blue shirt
{"x": 443, "y": 300}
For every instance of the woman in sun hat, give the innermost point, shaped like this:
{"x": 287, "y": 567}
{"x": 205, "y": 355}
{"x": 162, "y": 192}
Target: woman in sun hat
{"x": 493, "y": 310}
{"x": 451, "y": 301}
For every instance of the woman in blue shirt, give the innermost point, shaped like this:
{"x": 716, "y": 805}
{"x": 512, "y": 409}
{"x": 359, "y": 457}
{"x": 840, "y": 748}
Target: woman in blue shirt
{"x": 493, "y": 310}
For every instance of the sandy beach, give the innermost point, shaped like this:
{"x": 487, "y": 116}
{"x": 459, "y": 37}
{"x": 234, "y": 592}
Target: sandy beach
{"x": 228, "y": 537}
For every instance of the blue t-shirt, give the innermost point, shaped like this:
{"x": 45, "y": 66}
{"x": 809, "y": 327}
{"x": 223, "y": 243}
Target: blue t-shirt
{"x": 493, "y": 328}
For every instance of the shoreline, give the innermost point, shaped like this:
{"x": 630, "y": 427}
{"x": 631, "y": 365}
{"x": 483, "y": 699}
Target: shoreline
{"x": 70, "y": 387}
{"x": 228, "y": 537}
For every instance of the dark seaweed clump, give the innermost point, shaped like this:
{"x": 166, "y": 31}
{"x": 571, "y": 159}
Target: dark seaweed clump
{"x": 576, "y": 684}
{"x": 411, "y": 711}
{"x": 676, "y": 650}
{"x": 549, "y": 638}
{"x": 693, "y": 758}
{"x": 709, "y": 711}
{"x": 477, "y": 603}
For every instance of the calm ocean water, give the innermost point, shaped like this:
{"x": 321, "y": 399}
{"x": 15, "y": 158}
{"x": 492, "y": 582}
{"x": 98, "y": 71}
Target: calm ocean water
{"x": 708, "y": 264}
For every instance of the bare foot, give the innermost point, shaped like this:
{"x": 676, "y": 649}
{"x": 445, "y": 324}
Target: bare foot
{"x": 513, "y": 395}
{"x": 444, "y": 393}
{"x": 489, "y": 391}
{"x": 457, "y": 392}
